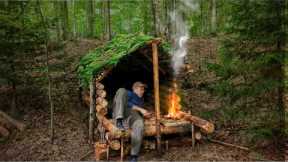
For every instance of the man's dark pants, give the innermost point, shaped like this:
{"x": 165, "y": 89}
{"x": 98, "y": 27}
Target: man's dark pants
{"x": 134, "y": 118}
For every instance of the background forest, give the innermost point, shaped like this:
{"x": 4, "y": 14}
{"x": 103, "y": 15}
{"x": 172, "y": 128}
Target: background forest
{"x": 236, "y": 48}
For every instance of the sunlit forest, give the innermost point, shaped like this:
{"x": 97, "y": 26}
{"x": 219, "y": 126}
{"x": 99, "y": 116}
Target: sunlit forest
{"x": 213, "y": 73}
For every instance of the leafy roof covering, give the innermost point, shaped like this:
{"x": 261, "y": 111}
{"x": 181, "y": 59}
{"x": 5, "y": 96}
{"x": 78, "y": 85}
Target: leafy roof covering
{"x": 111, "y": 53}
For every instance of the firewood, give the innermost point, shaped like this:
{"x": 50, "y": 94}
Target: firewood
{"x": 4, "y": 132}
{"x": 20, "y": 126}
{"x": 101, "y": 93}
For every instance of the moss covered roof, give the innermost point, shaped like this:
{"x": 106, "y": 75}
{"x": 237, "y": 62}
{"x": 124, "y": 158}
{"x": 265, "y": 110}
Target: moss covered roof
{"x": 111, "y": 53}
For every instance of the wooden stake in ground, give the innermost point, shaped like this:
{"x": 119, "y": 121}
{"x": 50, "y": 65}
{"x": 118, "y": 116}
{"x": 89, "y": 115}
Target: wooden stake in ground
{"x": 156, "y": 94}
{"x": 92, "y": 109}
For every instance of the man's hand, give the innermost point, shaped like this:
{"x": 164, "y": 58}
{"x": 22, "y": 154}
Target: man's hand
{"x": 144, "y": 112}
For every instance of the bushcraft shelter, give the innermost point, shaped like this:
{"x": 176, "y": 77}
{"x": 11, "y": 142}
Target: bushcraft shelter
{"x": 118, "y": 64}
{"x": 124, "y": 60}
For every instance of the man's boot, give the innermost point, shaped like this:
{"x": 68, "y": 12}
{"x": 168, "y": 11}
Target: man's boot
{"x": 133, "y": 158}
{"x": 119, "y": 124}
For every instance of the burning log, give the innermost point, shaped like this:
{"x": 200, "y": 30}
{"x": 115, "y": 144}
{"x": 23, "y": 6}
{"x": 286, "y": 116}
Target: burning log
{"x": 205, "y": 126}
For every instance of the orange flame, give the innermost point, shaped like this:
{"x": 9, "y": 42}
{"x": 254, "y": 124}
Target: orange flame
{"x": 174, "y": 102}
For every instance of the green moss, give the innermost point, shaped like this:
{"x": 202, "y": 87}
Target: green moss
{"x": 111, "y": 53}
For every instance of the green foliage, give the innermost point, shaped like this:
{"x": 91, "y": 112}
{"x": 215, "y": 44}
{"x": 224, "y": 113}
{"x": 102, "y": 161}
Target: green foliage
{"x": 249, "y": 53}
{"x": 250, "y": 64}
{"x": 111, "y": 53}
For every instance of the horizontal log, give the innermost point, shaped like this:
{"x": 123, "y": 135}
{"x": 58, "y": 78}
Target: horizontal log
{"x": 102, "y": 102}
{"x": 204, "y": 125}
{"x": 150, "y": 129}
{"x": 101, "y": 110}
{"x": 99, "y": 86}
{"x": 4, "y": 132}
{"x": 101, "y": 93}
{"x": 5, "y": 117}
{"x": 198, "y": 135}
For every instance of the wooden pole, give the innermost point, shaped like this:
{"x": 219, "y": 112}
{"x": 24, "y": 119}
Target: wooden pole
{"x": 192, "y": 137}
{"x": 156, "y": 94}
{"x": 92, "y": 109}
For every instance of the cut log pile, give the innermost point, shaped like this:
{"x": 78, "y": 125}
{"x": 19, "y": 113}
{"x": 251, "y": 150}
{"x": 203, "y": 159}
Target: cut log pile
{"x": 101, "y": 102}
{"x": 7, "y": 123}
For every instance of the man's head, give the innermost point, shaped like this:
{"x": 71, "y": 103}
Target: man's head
{"x": 139, "y": 88}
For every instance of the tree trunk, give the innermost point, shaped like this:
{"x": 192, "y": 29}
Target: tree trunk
{"x": 109, "y": 19}
{"x": 213, "y": 16}
{"x": 153, "y": 7}
{"x": 65, "y": 19}
{"x": 145, "y": 18}
{"x": 58, "y": 20}
{"x": 90, "y": 18}
{"x": 202, "y": 16}
{"x": 74, "y": 19}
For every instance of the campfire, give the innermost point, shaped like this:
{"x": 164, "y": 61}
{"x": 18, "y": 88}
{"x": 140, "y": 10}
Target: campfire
{"x": 175, "y": 112}
{"x": 173, "y": 102}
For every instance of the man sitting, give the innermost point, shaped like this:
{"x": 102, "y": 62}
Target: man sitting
{"x": 128, "y": 106}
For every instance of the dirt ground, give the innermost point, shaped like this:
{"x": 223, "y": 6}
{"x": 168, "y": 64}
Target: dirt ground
{"x": 71, "y": 143}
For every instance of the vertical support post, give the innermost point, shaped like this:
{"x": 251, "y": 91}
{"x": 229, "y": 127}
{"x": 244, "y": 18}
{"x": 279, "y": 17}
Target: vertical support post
{"x": 193, "y": 135}
{"x": 156, "y": 94}
{"x": 122, "y": 149}
{"x": 92, "y": 109}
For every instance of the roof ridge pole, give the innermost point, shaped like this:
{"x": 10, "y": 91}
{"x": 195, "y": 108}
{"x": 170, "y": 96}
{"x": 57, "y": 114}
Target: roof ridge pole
{"x": 156, "y": 94}
{"x": 92, "y": 109}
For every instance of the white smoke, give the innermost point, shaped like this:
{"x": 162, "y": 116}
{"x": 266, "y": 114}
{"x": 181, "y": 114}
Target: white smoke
{"x": 180, "y": 33}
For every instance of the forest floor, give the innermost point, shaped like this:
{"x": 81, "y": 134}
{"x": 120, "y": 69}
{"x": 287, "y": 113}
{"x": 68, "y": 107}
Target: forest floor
{"x": 71, "y": 141}
{"x": 71, "y": 144}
